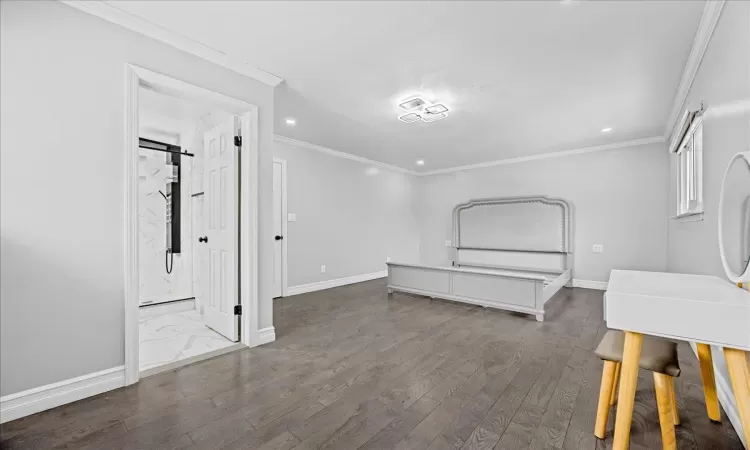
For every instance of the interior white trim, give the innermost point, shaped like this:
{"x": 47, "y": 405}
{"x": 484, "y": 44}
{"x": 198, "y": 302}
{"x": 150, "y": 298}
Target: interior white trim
{"x": 42, "y": 398}
{"x": 711, "y": 13}
{"x": 263, "y": 336}
{"x": 112, "y": 14}
{"x": 328, "y": 151}
{"x": 132, "y": 284}
{"x": 336, "y": 282}
{"x": 726, "y": 398}
{"x": 572, "y": 152}
{"x": 248, "y": 205}
{"x": 284, "y": 227}
{"x": 499, "y": 162}
{"x": 590, "y": 284}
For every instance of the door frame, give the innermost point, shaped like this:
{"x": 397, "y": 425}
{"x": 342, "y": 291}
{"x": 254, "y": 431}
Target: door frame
{"x": 284, "y": 222}
{"x": 135, "y": 78}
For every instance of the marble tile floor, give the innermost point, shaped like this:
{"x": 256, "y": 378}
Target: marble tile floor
{"x": 174, "y": 337}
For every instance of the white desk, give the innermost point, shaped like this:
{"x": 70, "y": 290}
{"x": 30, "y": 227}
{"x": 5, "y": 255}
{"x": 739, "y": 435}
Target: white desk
{"x": 697, "y": 308}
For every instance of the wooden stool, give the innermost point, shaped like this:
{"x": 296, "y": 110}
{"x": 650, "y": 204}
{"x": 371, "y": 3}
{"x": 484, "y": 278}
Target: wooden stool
{"x": 658, "y": 356}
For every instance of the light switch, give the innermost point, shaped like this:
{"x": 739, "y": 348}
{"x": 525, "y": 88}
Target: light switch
{"x": 323, "y": 268}
{"x": 598, "y": 248}
{"x": 291, "y": 217}
{"x": 448, "y": 243}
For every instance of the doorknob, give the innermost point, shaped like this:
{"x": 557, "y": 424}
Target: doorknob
{"x": 278, "y": 238}
{"x": 203, "y": 239}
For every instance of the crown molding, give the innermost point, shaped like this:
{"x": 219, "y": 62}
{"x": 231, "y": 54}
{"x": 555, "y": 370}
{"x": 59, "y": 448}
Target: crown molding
{"x": 708, "y": 22}
{"x": 117, "y": 16}
{"x": 576, "y": 151}
{"x": 349, "y": 156}
{"x": 500, "y": 162}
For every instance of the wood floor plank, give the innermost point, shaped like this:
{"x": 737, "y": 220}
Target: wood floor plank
{"x": 355, "y": 368}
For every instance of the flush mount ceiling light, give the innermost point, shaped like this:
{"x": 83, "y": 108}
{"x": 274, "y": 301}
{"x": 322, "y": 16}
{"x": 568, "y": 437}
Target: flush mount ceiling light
{"x": 413, "y": 103}
{"x": 427, "y": 117}
{"x": 420, "y": 109}
{"x": 291, "y": 121}
{"x": 409, "y": 118}
{"x": 606, "y": 130}
{"x": 420, "y": 162}
{"x": 436, "y": 109}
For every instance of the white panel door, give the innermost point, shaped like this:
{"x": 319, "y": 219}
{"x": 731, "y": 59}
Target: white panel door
{"x": 277, "y": 230}
{"x": 222, "y": 231}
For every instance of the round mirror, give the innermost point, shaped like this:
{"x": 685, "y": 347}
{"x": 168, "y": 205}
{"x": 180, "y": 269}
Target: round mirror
{"x": 734, "y": 219}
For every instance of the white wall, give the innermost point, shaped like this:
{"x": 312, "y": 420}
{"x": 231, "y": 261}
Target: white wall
{"x": 61, "y": 185}
{"x": 723, "y": 83}
{"x": 350, "y": 216}
{"x": 618, "y": 197}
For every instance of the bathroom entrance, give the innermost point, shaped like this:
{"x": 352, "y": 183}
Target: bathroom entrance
{"x": 189, "y": 240}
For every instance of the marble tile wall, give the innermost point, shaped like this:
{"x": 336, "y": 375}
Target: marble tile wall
{"x": 156, "y": 284}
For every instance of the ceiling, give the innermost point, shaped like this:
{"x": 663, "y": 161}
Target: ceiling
{"x": 521, "y": 78}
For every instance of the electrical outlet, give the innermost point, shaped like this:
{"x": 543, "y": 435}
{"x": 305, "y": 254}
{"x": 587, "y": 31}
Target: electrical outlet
{"x": 448, "y": 243}
{"x": 323, "y": 268}
{"x": 598, "y": 248}
{"x": 387, "y": 259}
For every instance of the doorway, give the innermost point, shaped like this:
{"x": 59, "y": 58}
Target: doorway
{"x": 191, "y": 238}
{"x": 279, "y": 228}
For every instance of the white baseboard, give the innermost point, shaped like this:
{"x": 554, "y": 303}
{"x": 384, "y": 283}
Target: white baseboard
{"x": 590, "y": 284}
{"x": 39, "y": 399}
{"x": 726, "y": 397}
{"x": 320, "y": 285}
{"x": 264, "y": 336}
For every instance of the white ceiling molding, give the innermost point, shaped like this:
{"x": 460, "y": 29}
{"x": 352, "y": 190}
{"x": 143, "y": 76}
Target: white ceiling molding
{"x": 328, "y": 151}
{"x": 710, "y": 17}
{"x": 577, "y": 151}
{"x": 500, "y": 162}
{"x": 117, "y": 16}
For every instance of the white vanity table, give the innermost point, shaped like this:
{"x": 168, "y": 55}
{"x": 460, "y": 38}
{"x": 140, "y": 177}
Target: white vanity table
{"x": 703, "y": 309}
{"x": 695, "y": 308}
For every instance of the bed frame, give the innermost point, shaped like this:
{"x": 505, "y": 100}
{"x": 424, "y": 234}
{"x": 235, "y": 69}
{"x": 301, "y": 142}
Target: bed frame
{"x": 511, "y": 253}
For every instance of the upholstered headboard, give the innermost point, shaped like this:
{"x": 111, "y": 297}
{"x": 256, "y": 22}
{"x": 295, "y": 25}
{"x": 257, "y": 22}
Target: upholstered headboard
{"x": 531, "y": 231}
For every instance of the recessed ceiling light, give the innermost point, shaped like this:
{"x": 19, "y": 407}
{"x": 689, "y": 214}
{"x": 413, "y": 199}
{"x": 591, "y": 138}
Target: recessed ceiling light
{"x": 436, "y": 109}
{"x": 412, "y": 103}
{"x": 606, "y": 130}
{"x": 420, "y": 162}
{"x": 433, "y": 117}
{"x": 409, "y": 118}
{"x": 291, "y": 121}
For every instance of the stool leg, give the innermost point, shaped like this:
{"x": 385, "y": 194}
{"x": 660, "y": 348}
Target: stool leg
{"x": 614, "y": 385}
{"x": 709, "y": 383}
{"x": 664, "y": 403}
{"x": 740, "y": 376}
{"x": 605, "y": 392}
{"x": 675, "y": 411}
{"x": 631, "y": 356}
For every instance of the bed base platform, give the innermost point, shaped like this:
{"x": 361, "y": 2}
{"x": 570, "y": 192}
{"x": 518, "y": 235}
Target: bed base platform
{"x": 519, "y": 291}
{"x": 511, "y": 253}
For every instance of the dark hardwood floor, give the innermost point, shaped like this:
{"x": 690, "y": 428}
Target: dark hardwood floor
{"x": 353, "y": 368}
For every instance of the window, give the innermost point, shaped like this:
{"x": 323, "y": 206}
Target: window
{"x": 690, "y": 153}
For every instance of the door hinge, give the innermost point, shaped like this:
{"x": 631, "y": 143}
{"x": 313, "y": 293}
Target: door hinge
{"x": 237, "y": 310}
{"x": 238, "y": 141}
